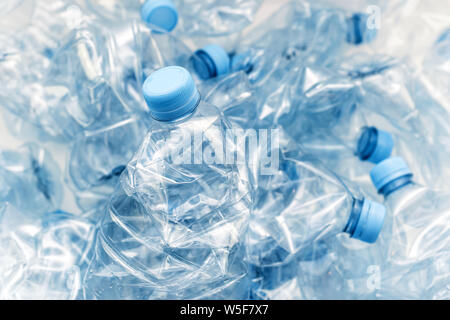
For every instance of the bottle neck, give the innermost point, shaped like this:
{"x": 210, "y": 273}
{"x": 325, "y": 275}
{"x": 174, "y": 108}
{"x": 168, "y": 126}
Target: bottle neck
{"x": 204, "y": 65}
{"x": 354, "y": 217}
{"x": 367, "y": 143}
{"x": 395, "y": 185}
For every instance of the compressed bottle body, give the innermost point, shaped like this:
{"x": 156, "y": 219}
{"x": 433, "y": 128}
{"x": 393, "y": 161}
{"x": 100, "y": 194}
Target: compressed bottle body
{"x": 45, "y": 256}
{"x": 30, "y": 179}
{"x": 99, "y": 156}
{"x": 174, "y": 227}
{"x": 298, "y": 209}
{"x": 297, "y": 33}
{"x": 192, "y": 18}
{"x": 418, "y": 247}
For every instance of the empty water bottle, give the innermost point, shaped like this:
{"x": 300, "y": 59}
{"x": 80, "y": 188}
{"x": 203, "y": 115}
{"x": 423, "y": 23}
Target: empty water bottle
{"x": 175, "y": 226}
{"x": 418, "y": 249}
{"x": 235, "y": 97}
{"x": 297, "y": 31}
{"x": 99, "y": 156}
{"x": 26, "y": 59}
{"x": 30, "y": 179}
{"x": 436, "y": 70}
{"x": 45, "y": 256}
{"x": 345, "y": 118}
{"x": 187, "y": 17}
{"x": 297, "y": 206}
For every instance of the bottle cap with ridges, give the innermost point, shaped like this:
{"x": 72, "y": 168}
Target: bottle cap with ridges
{"x": 375, "y": 145}
{"x": 161, "y": 14}
{"x": 389, "y": 170}
{"x": 218, "y": 57}
{"x": 370, "y": 221}
{"x": 170, "y": 93}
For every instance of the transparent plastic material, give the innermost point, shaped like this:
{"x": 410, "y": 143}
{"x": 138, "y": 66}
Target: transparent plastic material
{"x": 329, "y": 109}
{"x": 208, "y": 18}
{"x": 298, "y": 209}
{"x": 45, "y": 68}
{"x": 299, "y": 32}
{"x": 175, "y": 230}
{"x": 99, "y": 156}
{"x": 235, "y": 97}
{"x": 417, "y": 260}
{"x": 45, "y": 257}
{"x": 30, "y": 179}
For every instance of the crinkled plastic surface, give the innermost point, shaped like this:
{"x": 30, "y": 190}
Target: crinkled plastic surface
{"x": 172, "y": 229}
{"x": 30, "y": 179}
{"x": 43, "y": 257}
{"x": 298, "y": 209}
{"x": 196, "y": 18}
{"x": 155, "y": 227}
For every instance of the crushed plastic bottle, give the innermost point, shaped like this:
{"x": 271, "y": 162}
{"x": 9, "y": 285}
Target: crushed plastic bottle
{"x": 436, "y": 70}
{"x": 418, "y": 252}
{"x": 48, "y": 64}
{"x": 30, "y": 179}
{"x": 298, "y": 31}
{"x": 99, "y": 156}
{"x": 235, "y": 97}
{"x": 347, "y": 116}
{"x": 298, "y": 206}
{"x": 184, "y": 220}
{"x": 187, "y": 17}
{"x": 45, "y": 257}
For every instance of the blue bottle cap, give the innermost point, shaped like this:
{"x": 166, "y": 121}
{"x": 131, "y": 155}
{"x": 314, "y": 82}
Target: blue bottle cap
{"x": 160, "y": 13}
{"x": 388, "y": 171}
{"x": 211, "y": 61}
{"x": 359, "y": 29}
{"x": 370, "y": 221}
{"x": 375, "y": 145}
{"x": 170, "y": 93}
{"x": 241, "y": 62}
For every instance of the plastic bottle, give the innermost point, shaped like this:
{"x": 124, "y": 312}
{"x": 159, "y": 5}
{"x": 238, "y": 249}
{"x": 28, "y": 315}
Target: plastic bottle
{"x": 295, "y": 32}
{"x": 419, "y": 240}
{"x": 45, "y": 256}
{"x": 98, "y": 157}
{"x": 52, "y": 62}
{"x": 299, "y": 206}
{"x": 183, "y": 219}
{"x": 30, "y": 179}
{"x": 187, "y": 17}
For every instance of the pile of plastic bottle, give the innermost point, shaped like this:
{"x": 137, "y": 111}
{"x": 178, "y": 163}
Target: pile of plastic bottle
{"x": 225, "y": 149}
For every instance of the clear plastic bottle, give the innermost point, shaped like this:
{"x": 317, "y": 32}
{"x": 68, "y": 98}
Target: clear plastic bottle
{"x": 297, "y": 208}
{"x": 187, "y": 17}
{"x": 175, "y": 226}
{"x": 297, "y": 32}
{"x": 43, "y": 257}
{"x": 98, "y": 157}
{"x": 419, "y": 242}
{"x": 30, "y": 179}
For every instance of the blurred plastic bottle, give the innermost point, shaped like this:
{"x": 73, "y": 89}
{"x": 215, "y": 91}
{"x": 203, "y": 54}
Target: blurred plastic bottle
{"x": 53, "y": 75}
{"x": 391, "y": 89}
{"x": 175, "y": 226}
{"x": 300, "y": 205}
{"x": 191, "y": 18}
{"x": 136, "y": 52}
{"x": 30, "y": 179}
{"x": 437, "y": 71}
{"x": 347, "y": 116}
{"x": 297, "y": 31}
{"x": 98, "y": 157}
{"x": 420, "y": 233}
{"x": 46, "y": 257}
